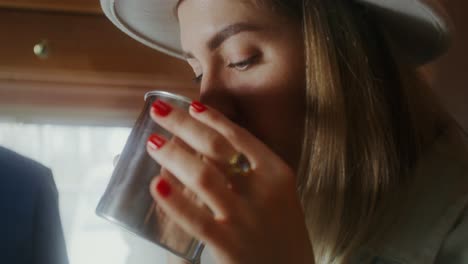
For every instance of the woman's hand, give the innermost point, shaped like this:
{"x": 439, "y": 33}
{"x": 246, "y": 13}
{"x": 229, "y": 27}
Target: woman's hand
{"x": 252, "y": 218}
{"x": 172, "y": 259}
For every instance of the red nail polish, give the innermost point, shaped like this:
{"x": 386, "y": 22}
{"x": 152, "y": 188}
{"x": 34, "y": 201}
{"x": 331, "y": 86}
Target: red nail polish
{"x": 198, "y": 107}
{"x": 157, "y": 141}
{"x": 161, "y": 108}
{"x": 163, "y": 188}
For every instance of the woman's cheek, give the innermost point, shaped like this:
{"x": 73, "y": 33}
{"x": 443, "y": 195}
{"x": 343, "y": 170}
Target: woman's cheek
{"x": 261, "y": 79}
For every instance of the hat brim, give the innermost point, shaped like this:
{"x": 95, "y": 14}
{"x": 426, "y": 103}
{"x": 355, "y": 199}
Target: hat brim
{"x": 417, "y": 29}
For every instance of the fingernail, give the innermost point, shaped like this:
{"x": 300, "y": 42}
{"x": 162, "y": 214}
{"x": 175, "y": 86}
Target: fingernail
{"x": 198, "y": 107}
{"x": 161, "y": 108}
{"x": 163, "y": 188}
{"x": 156, "y": 141}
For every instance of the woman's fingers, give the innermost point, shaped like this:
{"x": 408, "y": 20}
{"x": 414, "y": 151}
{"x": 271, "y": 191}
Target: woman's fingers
{"x": 181, "y": 208}
{"x": 218, "y": 140}
{"x": 184, "y": 145}
{"x": 244, "y": 142}
{"x": 201, "y": 177}
{"x": 203, "y": 139}
{"x": 258, "y": 155}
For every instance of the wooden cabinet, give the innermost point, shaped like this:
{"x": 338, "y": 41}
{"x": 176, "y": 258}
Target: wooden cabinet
{"x": 78, "y": 6}
{"x": 84, "y": 68}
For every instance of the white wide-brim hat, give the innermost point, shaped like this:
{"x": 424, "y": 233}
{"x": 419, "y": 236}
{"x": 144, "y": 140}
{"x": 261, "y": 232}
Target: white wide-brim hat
{"x": 417, "y": 29}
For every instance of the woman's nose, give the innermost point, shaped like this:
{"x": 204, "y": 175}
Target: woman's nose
{"x": 216, "y": 94}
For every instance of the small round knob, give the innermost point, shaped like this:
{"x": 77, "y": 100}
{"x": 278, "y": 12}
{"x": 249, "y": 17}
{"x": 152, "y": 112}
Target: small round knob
{"x": 42, "y": 49}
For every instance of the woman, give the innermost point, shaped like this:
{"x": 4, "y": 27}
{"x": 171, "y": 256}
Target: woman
{"x": 347, "y": 156}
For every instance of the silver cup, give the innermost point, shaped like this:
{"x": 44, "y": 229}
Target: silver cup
{"x": 127, "y": 201}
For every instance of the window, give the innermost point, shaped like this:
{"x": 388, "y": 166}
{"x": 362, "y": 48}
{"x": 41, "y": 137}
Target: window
{"x": 81, "y": 159}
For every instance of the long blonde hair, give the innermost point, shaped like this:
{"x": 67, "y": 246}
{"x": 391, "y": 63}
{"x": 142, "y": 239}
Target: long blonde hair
{"x": 368, "y": 118}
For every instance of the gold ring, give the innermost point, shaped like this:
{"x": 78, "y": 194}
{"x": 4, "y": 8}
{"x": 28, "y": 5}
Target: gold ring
{"x": 239, "y": 164}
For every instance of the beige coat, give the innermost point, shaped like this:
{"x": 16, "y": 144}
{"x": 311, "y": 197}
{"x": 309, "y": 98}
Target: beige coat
{"x": 432, "y": 225}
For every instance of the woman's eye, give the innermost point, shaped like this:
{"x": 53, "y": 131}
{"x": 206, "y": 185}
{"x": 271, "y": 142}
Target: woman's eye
{"x": 198, "y": 79}
{"x": 243, "y": 65}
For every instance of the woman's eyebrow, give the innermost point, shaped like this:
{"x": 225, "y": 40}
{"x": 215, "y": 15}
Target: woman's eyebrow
{"x": 228, "y": 32}
{"x": 225, "y": 34}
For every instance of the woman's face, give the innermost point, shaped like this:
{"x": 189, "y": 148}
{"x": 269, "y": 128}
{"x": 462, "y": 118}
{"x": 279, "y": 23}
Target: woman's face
{"x": 249, "y": 63}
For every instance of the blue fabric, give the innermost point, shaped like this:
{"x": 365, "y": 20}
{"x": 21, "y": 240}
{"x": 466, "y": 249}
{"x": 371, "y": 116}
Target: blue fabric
{"x": 30, "y": 226}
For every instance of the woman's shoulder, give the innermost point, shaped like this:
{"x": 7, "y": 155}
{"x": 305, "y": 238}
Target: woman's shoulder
{"x": 451, "y": 147}
{"x": 433, "y": 215}
{"x": 444, "y": 163}
{"x": 454, "y": 250}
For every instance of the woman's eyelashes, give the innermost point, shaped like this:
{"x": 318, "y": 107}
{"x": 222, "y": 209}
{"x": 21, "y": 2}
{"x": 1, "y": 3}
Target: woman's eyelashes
{"x": 239, "y": 66}
{"x": 244, "y": 64}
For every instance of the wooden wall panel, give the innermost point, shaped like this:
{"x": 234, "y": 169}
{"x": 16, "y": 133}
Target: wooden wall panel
{"x": 79, "y": 6}
{"x": 83, "y": 43}
{"x": 92, "y": 68}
